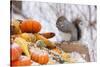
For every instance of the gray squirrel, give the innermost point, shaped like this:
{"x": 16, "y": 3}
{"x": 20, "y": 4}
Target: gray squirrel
{"x": 67, "y": 27}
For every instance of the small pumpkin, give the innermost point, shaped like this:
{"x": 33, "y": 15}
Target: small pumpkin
{"x": 39, "y": 56}
{"x": 30, "y": 26}
{"x": 16, "y": 51}
{"x": 22, "y": 61}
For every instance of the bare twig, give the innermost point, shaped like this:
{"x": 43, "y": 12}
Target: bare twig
{"x": 81, "y": 12}
{"x": 71, "y": 12}
{"x": 19, "y": 11}
{"x": 90, "y": 23}
{"x": 54, "y": 9}
{"x": 89, "y": 9}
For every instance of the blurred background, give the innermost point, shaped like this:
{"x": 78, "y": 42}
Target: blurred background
{"x": 48, "y": 13}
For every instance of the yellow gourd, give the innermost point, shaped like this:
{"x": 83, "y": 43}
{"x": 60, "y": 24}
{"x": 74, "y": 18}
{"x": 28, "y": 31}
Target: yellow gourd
{"x": 28, "y": 37}
{"x": 23, "y": 44}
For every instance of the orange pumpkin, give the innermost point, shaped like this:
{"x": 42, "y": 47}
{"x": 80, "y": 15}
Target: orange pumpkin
{"x": 30, "y": 26}
{"x": 16, "y": 51}
{"x": 22, "y": 61}
{"x": 40, "y": 57}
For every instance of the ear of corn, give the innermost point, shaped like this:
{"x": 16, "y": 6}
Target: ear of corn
{"x": 23, "y": 44}
{"x": 28, "y": 37}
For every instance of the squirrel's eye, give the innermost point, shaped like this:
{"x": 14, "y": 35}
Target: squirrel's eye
{"x": 60, "y": 20}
